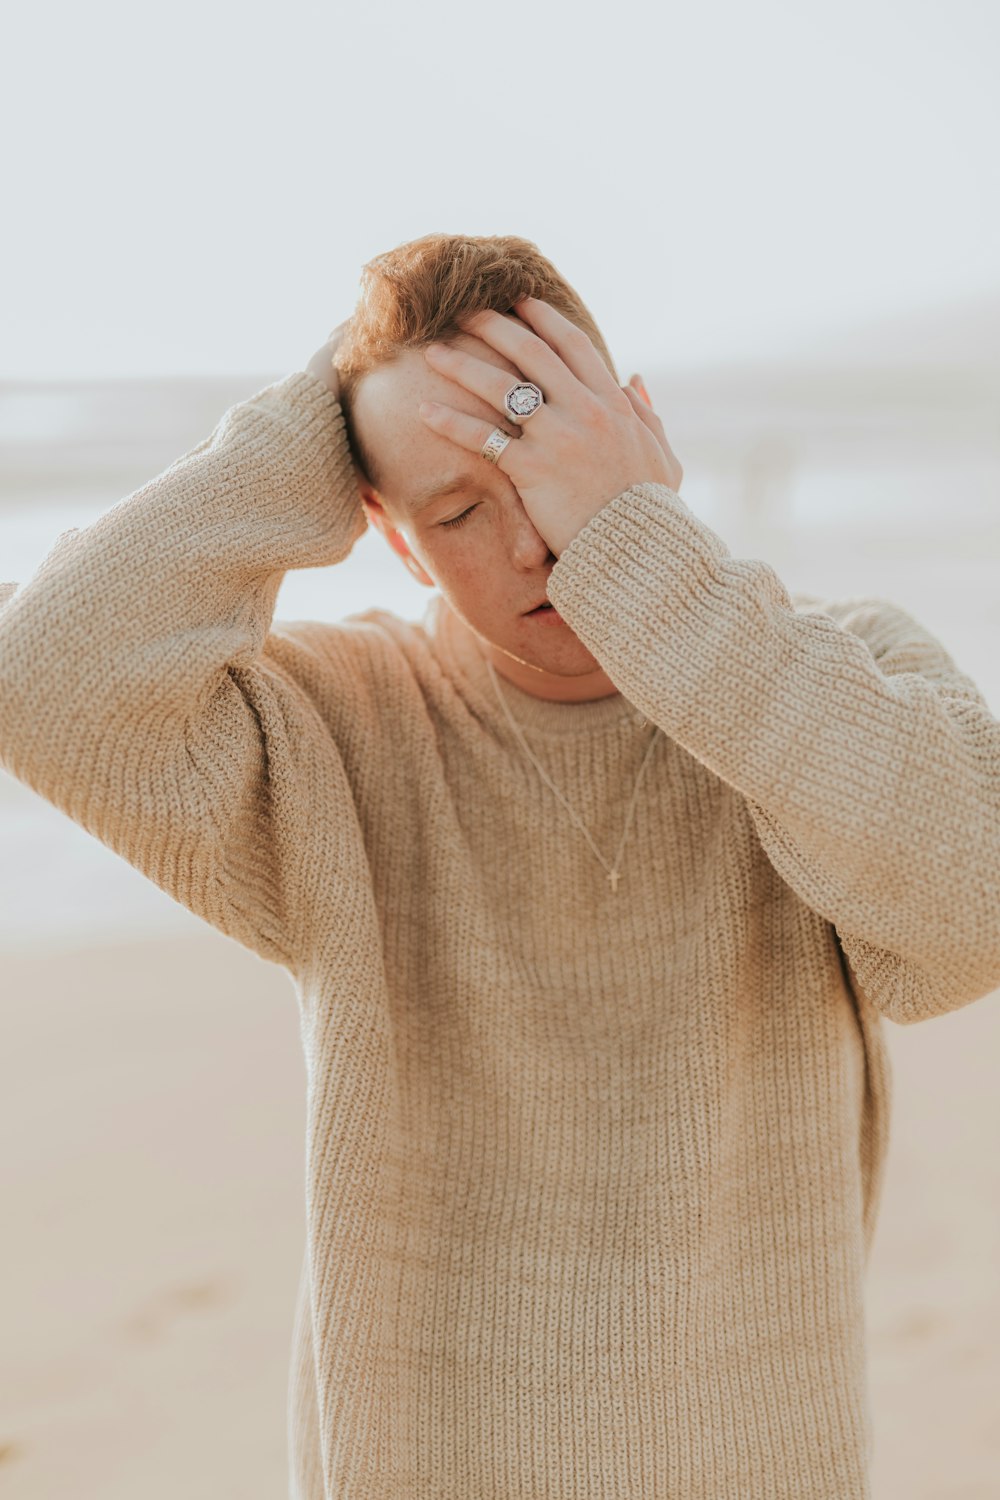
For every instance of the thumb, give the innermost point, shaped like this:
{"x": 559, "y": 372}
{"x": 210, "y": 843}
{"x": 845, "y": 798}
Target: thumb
{"x": 652, "y": 421}
{"x": 636, "y": 382}
{"x": 644, "y": 411}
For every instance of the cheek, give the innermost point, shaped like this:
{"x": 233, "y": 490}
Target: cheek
{"x": 463, "y": 565}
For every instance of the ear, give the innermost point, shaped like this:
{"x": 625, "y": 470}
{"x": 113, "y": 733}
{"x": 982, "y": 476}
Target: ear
{"x": 374, "y": 508}
{"x": 379, "y": 517}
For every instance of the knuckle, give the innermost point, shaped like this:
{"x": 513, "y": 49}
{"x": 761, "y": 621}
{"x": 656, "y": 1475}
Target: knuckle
{"x": 595, "y": 412}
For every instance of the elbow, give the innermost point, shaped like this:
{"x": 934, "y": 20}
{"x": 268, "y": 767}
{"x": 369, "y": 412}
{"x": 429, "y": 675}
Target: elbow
{"x": 905, "y": 991}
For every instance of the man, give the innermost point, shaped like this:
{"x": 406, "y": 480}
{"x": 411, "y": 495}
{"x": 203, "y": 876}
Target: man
{"x": 593, "y": 917}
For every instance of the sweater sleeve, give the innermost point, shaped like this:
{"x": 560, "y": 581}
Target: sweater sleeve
{"x": 869, "y": 763}
{"x": 138, "y": 689}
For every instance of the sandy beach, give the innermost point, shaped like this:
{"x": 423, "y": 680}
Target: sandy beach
{"x": 153, "y": 1102}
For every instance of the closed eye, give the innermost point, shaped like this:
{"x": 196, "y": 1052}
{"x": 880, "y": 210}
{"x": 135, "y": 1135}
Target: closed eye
{"x": 457, "y": 520}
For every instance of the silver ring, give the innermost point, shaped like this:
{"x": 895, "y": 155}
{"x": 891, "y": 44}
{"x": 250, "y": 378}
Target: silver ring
{"x": 522, "y": 400}
{"x": 494, "y": 445}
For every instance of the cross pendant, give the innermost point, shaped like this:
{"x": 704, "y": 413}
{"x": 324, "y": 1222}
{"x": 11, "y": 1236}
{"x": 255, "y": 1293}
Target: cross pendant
{"x": 613, "y": 879}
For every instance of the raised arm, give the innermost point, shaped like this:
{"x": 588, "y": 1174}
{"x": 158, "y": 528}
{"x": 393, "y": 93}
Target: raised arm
{"x": 136, "y": 693}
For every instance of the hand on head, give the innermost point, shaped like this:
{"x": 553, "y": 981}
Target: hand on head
{"x": 583, "y": 438}
{"x": 321, "y": 364}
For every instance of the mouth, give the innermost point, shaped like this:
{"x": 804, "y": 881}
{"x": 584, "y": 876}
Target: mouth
{"x": 543, "y": 609}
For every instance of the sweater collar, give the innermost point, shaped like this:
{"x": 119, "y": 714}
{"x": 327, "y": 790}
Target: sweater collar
{"x": 462, "y": 659}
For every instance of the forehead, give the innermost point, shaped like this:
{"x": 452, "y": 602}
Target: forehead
{"x": 411, "y": 458}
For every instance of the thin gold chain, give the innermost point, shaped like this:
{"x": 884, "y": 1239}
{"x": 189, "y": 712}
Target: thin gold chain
{"x": 613, "y": 872}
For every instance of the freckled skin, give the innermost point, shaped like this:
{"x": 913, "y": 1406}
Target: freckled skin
{"x": 495, "y": 564}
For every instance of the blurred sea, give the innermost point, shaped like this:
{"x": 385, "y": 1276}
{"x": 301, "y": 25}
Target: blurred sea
{"x": 850, "y": 478}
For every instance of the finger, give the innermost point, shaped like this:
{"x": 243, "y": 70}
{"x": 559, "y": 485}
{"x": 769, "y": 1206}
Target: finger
{"x": 469, "y": 433}
{"x": 570, "y": 342}
{"x": 474, "y": 375}
{"x": 536, "y": 359}
{"x": 645, "y": 412}
{"x": 336, "y": 334}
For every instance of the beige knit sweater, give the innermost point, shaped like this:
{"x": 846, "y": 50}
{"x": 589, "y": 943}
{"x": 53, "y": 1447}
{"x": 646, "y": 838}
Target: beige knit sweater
{"x": 591, "y": 1177}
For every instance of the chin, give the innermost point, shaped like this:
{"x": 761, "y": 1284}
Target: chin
{"x": 568, "y": 656}
{"x": 565, "y": 657}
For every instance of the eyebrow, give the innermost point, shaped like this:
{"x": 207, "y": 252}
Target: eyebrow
{"x": 460, "y": 484}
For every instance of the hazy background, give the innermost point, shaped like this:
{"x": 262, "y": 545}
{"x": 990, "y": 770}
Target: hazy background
{"x": 787, "y": 218}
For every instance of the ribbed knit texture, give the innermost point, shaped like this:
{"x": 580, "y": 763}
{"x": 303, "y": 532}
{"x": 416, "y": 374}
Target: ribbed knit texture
{"x": 591, "y": 1178}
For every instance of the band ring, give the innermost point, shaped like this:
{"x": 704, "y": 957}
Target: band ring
{"x": 523, "y": 400}
{"x": 494, "y": 445}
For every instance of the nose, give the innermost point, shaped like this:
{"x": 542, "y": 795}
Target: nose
{"x": 528, "y": 548}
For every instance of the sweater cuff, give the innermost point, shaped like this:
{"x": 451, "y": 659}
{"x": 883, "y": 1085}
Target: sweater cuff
{"x": 273, "y": 487}
{"x": 643, "y": 549}
{"x": 314, "y": 437}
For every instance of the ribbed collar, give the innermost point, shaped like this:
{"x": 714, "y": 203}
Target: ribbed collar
{"x": 462, "y": 659}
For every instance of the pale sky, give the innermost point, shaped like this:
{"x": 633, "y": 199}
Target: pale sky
{"x": 195, "y": 188}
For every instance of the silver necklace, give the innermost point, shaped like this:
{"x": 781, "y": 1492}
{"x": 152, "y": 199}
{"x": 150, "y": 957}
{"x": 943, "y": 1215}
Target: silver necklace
{"x": 614, "y": 875}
